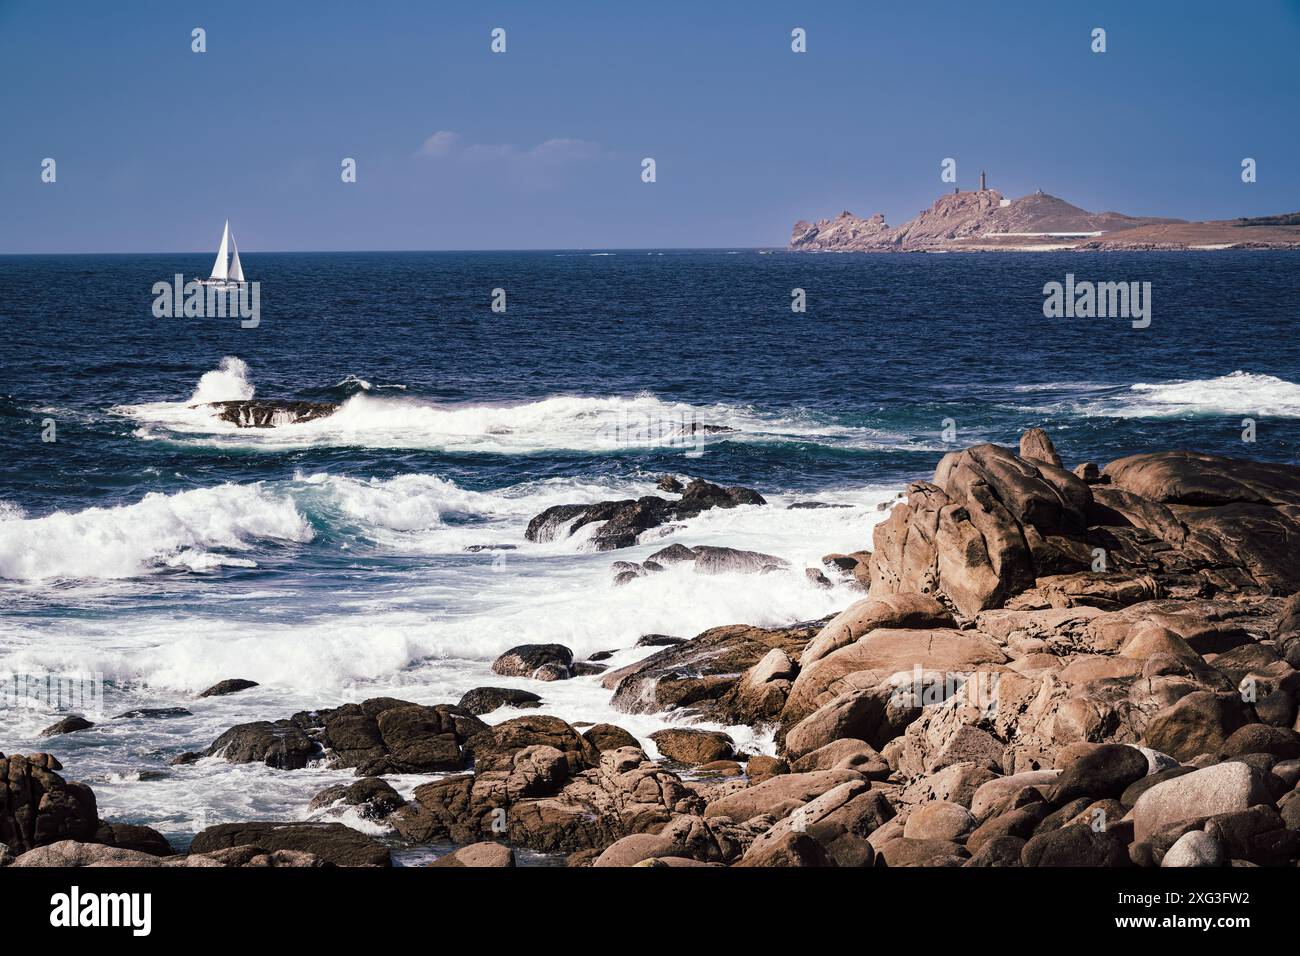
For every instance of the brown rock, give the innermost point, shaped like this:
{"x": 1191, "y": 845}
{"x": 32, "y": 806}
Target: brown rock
{"x": 486, "y": 854}
{"x": 1035, "y": 444}
{"x": 332, "y": 842}
{"x": 691, "y": 746}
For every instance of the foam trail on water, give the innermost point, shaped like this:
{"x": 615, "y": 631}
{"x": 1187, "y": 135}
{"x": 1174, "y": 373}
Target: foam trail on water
{"x": 1237, "y": 393}
{"x": 592, "y": 424}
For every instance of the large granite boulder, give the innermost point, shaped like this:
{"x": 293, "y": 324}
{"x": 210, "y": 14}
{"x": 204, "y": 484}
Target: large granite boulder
{"x": 993, "y": 525}
{"x": 39, "y": 807}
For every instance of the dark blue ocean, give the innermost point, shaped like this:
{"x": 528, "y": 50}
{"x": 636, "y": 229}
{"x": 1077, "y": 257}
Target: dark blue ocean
{"x": 152, "y": 549}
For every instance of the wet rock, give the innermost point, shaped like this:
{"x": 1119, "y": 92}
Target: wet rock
{"x": 38, "y": 807}
{"x": 711, "y": 560}
{"x": 673, "y": 554}
{"x": 818, "y": 579}
{"x": 698, "y": 674}
{"x": 129, "y": 836}
{"x": 658, "y": 640}
{"x": 527, "y": 659}
{"x": 855, "y": 566}
{"x": 484, "y": 700}
{"x": 280, "y": 744}
{"x": 670, "y": 484}
{"x": 494, "y": 748}
{"x": 67, "y": 725}
{"x": 331, "y": 842}
{"x": 760, "y": 767}
{"x": 690, "y": 746}
{"x": 609, "y": 737}
{"x": 267, "y": 413}
{"x": 373, "y": 797}
{"x": 154, "y": 713}
{"x": 230, "y": 686}
{"x": 622, "y": 522}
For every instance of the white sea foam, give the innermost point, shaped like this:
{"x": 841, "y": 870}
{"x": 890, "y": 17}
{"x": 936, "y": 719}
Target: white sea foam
{"x": 228, "y": 382}
{"x": 188, "y": 529}
{"x": 591, "y": 424}
{"x": 1238, "y": 393}
{"x": 423, "y": 633}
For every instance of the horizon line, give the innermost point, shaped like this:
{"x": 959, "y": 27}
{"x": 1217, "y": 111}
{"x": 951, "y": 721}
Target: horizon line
{"x": 274, "y": 252}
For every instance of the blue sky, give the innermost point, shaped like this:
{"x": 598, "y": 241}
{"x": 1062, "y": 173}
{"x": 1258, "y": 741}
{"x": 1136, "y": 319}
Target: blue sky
{"x": 541, "y": 146}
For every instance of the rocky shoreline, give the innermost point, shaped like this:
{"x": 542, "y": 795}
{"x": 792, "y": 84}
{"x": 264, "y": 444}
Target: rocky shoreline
{"x": 1097, "y": 666}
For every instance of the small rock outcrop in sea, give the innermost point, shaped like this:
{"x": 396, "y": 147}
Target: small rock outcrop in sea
{"x": 546, "y": 662}
{"x": 705, "y": 559}
{"x": 67, "y": 725}
{"x": 269, "y": 413}
{"x": 622, "y": 522}
{"x": 484, "y": 700}
{"x": 231, "y": 685}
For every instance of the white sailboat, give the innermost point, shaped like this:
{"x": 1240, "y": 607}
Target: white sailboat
{"x": 226, "y": 273}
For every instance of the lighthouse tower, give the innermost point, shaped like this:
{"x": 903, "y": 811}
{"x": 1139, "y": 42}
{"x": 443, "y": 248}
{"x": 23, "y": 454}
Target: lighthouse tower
{"x": 983, "y": 185}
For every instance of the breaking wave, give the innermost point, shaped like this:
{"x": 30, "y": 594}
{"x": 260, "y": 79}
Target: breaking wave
{"x": 596, "y": 425}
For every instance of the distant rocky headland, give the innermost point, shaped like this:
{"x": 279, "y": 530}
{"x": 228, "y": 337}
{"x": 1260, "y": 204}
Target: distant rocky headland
{"x": 983, "y": 220}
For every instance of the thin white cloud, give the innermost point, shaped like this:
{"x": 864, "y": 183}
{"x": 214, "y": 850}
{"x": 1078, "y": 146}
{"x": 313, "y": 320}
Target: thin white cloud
{"x": 445, "y": 144}
{"x": 442, "y": 143}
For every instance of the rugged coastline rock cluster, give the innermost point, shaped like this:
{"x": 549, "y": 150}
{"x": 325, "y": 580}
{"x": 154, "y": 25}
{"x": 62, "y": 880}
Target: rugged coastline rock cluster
{"x": 983, "y": 220}
{"x": 1047, "y": 667}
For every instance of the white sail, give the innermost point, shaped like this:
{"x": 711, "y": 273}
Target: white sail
{"x": 236, "y": 270}
{"x": 219, "y": 267}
